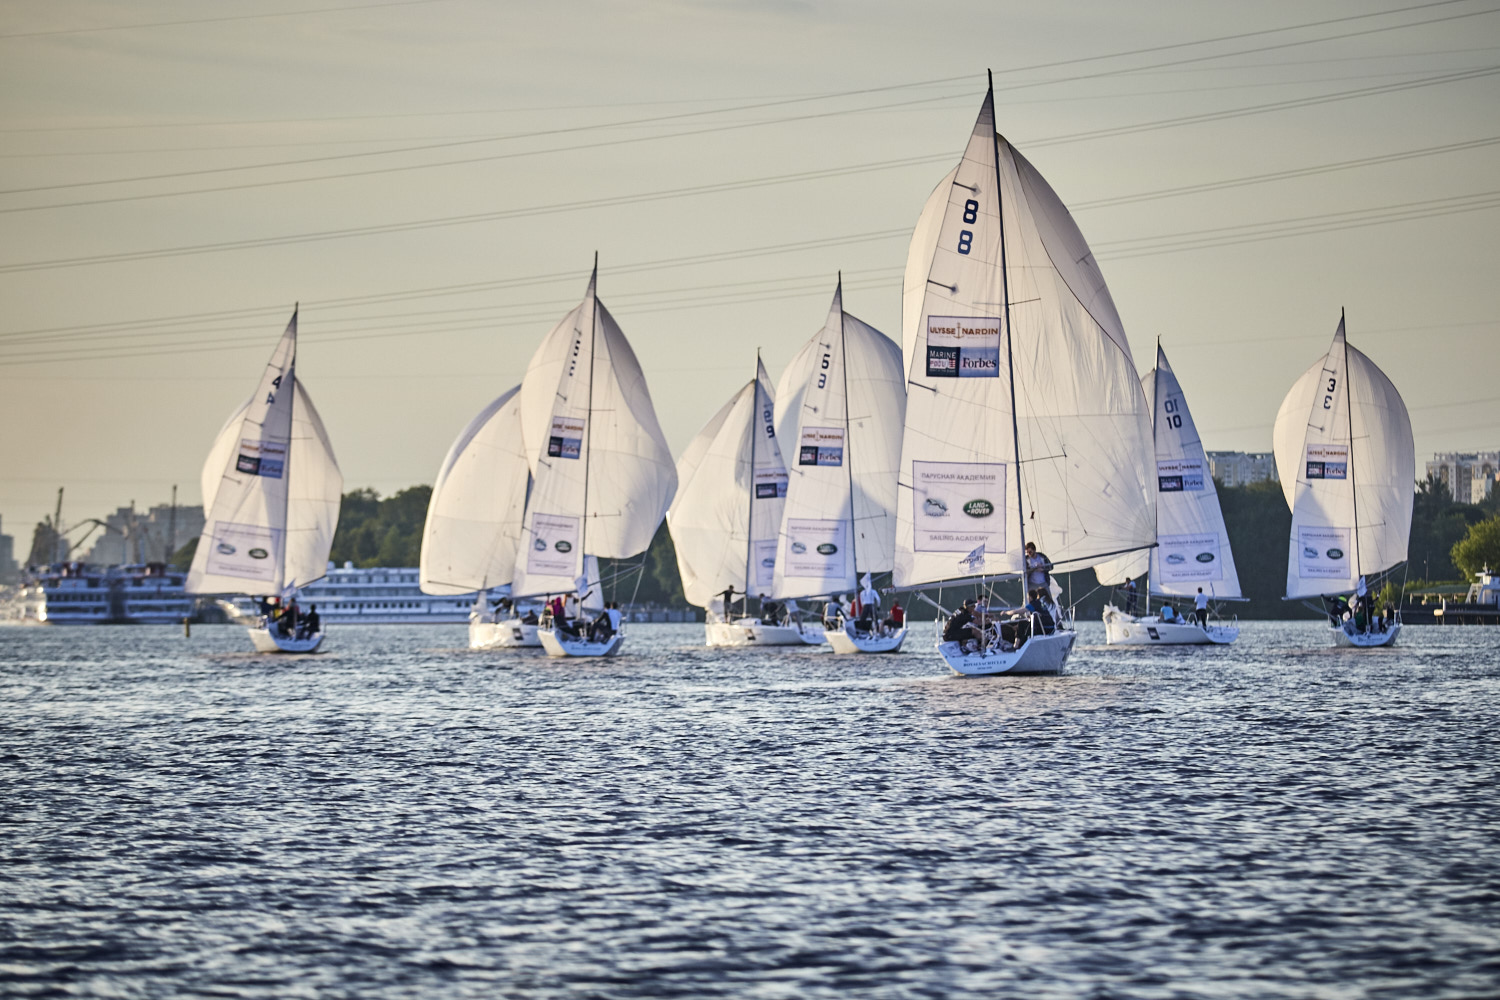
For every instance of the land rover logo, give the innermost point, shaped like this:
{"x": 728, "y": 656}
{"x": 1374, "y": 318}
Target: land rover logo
{"x": 225, "y": 549}
{"x": 1335, "y": 553}
{"x": 979, "y": 508}
{"x": 1309, "y": 552}
{"x": 1175, "y": 558}
{"x": 827, "y": 549}
{"x": 1205, "y": 557}
{"x": 933, "y": 507}
{"x": 540, "y": 545}
{"x": 564, "y": 546}
{"x": 798, "y": 548}
{"x": 257, "y": 553}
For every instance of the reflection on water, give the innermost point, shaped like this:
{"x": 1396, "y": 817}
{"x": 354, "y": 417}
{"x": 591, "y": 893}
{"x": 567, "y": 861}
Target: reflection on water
{"x": 400, "y": 816}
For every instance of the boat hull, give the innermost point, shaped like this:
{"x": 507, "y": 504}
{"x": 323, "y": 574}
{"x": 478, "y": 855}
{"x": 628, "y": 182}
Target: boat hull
{"x": 1040, "y": 654}
{"x": 1121, "y": 629}
{"x": 753, "y": 633}
{"x": 1348, "y": 639}
{"x": 845, "y": 640}
{"x": 509, "y": 634}
{"x": 557, "y": 644}
{"x": 270, "y": 641}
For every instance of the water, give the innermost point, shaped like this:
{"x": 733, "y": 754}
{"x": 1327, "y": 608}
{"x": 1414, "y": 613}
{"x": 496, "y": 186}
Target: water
{"x": 400, "y": 817}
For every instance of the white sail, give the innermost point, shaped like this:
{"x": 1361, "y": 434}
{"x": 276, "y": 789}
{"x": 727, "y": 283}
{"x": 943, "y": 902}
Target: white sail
{"x": 1347, "y": 463}
{"x": 603, "y": 475}
{"x": 478, "y": 502}
{"x": 731, "y": 488}
{"x": 1192, "y": 544}
{"x": 1080, "y": 423}
{"x": 845, "y": 442}
{"x": 271, "y": 515}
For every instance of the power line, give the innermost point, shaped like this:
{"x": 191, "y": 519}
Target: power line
{"x": 215, "y": 20}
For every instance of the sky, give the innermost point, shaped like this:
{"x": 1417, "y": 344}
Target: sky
{"x": 430, "y": 180}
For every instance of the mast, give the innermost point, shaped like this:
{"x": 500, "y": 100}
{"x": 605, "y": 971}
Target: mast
{"x": 848, "y": 439}
{"x": 1155, "y": 406}
{"x": 1015, "y": 426}
{"x": 588, "y": 426}
{"x": 291, "y": 415}
{"x": 750, "y": 505}
{"x": 1349, "y": 410}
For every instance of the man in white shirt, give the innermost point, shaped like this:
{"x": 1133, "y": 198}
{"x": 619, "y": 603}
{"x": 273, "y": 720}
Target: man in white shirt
{"x": 1200, "y": 608}
{"x": 614, "y": 616}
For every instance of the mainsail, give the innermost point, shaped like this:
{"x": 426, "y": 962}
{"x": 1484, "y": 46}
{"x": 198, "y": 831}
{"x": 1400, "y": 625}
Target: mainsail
{"x": 271, "y": 490}
{"x": 840, "y": 416}
{"x": 1347, "y": 464}
{"x": 602, "y": 472}
{"x": 478, "y": 502}
{"x": 731, "y": 488}
{"x": 1192, "y": 545}
{"x": 1023, "y": 400}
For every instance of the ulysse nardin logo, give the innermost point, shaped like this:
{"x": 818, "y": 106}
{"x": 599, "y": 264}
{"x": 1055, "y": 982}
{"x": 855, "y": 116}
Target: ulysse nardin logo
{"x": 979, "y": 508}
{"x": 564, "y": 546}
{"x": 1205, "y": 557}
{"x": 1176, "y": 558}
{"x": 827, "y": 549}
{"x": 798, "y": 548}
{"x": 225, "y": 549}
{"x": 1335, "y": 553}
{"x": 933, "y": 507}
{"x": 258, "y": 553}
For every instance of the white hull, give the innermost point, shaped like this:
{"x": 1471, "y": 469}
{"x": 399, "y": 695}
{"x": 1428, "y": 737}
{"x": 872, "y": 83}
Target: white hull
{"x": 1346, "y": 637}
{"x": 750, "y": 632}
{"x": 846, "y": 640}
{"x": 1040, "y": 654}
{"x": 509, "y": 634}
{"x": 557, "y": 644}
{"x": 270, "y": 641}
{"x": 1121, "y": 629}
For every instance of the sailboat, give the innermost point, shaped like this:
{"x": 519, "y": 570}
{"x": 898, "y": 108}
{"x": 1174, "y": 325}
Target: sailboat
{"x": 1192, "y": 552}
{"x": 1347, "y": 463}
{"x": 473, "y": 526}
{"x": 271, "y": 492}
{"x": 731, "y": 488}
{"x": 1025, "y": 419}
{"x": 602, "y": 475}
{"x": 841, "y": 407}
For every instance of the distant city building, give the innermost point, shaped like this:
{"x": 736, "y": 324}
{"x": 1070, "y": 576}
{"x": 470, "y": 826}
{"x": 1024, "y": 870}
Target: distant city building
{"x": 8, "y": 568}
{"x": 129, "y": 536}
{"x": 1470, "y": 475}
{"x": 1241, "y": 468}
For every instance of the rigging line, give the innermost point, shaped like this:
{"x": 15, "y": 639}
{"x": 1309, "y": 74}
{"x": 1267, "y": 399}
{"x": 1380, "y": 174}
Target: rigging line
{"x": 1283, "y": 174}
{"x": 216, "y": 20}
{"x": 679, "y": 116}
{"x": 1259, "y": 109}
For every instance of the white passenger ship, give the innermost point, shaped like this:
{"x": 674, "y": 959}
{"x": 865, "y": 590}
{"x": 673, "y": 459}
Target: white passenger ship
{"x": 80, "y": 594}
{"x": 378, "y": 595}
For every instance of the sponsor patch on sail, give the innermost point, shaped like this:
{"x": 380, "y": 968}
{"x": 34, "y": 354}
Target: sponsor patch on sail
{"x": 827, "y": 549}
{"x": 979, "y": 508}
{"x": 257, "y": 553}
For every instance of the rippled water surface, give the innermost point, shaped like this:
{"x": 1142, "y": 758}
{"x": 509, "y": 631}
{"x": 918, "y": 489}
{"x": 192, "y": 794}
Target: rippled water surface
{"x": 401, "y": 817}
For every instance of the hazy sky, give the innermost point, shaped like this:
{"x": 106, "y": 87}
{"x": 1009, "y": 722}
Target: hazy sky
{"x": 431, "y": 180}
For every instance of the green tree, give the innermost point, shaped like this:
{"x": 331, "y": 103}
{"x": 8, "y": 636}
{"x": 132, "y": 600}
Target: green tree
{"x": 1479, "y": 549}
{"x": 376, "y": 532}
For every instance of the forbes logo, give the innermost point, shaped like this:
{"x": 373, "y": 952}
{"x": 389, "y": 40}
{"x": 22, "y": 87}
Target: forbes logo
{"x": 1335, "y": 553}
{"x": 979, "y": 508}
{"x": 257, "y": 553}
{"x": 564, "y": 546}
{"x": 827, "y": 549}
{"x": 1205, "y": 557}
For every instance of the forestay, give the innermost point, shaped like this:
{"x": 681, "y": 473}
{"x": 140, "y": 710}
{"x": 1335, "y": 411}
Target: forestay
{"x": 840, "y": 425}
{"x": 271, "y": 490}
{"x": 1192, "y": 545}
{"x": 1347, "y": 464}
{"x": 478, "y": 501}
{"x": 731, "y": 488}
{"x": 1080, "y": 422}
{"x": 603, "y": 475}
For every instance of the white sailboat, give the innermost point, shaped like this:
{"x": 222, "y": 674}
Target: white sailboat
{"x": 1192, "y": 551}
{"x": 1347, "y": 463}
{"x": 602, "y": 475}
{"x": 724, "y": 519}
{"x": 474, "y": 521}
{"x": 1025, "y": 418}
{"x": 841, "y": 408}
{"x": 271, "y": 490}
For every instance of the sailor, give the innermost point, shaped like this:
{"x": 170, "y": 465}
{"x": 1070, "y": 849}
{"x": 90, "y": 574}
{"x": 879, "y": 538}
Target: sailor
{"x": 1169, "y": 615}
{"x": 1038, "y": 607}
{"x": 831, "y": 612}
{"x": 1130, "y": 595}
{"x": 614, "y": 616}
{"x": 961, "y": 626}
{"x": 1200, "y": 609}
{"x": 314, "y": 623}
{"x": 1037, "y": 568}
{"x": 897, "y": 617}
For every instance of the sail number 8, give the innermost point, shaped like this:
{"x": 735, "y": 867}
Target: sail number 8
{"x": 966, "y": 237}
